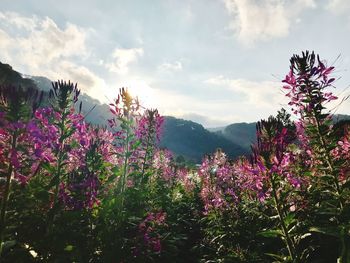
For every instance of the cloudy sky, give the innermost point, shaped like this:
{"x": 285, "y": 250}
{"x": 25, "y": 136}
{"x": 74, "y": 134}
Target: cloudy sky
{"x": 212, "y": 61}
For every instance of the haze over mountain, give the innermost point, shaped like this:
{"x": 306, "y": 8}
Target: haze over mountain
{"x": 242, "y": 134}
{"x": 192, "y": 140}
{"x": 166, "y": 52}
{"x": 182, "y": 137}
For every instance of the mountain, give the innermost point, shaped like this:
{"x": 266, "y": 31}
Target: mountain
{"x": 184, "y": 138}
{"x": 340, "y": 117}
{"x": 193, "y": 141}
{"x": 92, "y": 109}
{"x": 216, "y": 129}
{"x": 10, "y": 77}
{"x": 242, "y": 134}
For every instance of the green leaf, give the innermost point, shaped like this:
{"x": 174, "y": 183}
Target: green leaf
{"x": 42, "y": 195}
{"x": 115, "y": 170}
{"x": 274, "y": 217}
{"x": 7, "y": 245}
{"x": 271, "y": 233}
{"x": 329, "y": 231}
{"x": 346, "y": 185}
{"x": 48, "y": 167}
{"x": 305, "y": 236}
{"x": 53, "y": 182}
{"x": 289, "y": 219}
{"x": 69, "y": 248}
{"x": 136, "y": 145}
{"x": 277, "y": 257}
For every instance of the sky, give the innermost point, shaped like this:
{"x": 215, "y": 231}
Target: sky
{"x": 215, "y": 62}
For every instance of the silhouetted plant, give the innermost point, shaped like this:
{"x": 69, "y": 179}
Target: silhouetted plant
{"x": 17, "y": 106}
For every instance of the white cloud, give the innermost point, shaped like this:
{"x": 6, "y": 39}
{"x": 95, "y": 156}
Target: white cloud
{"x": 5, "y": 42}
{"x": 339, "y": 6}
{"x": 254, "y": 20}
{"x": 38, "y": 46}
{"x": 123, "y": 58}
{"x": 206, "y": 121}
{"x": 188, "y": 13}
{"x": 87, "y": 81}
{"x": 176, "y": 66}
{"x": 208, "y": 112}
{"x": 15, "y": 19}
{"x": 263, "y": 95}
{"x": 38, "y": 43}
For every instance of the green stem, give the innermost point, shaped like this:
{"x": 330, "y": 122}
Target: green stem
{"x": 60, "y": 155}
{"x": 5, "y": 198}
{"x": 329, "y": 161}
{"x": 322, "y": 141}
{"x": 289, "y": 241}
{"x": 126, "y": 162}
{"x": 57, "y": 178}
{"x": 147, "y": 153}
{"x": 334, "y": 173}
{"x": 345, "y": 244}
{"x": 57, "y": 174}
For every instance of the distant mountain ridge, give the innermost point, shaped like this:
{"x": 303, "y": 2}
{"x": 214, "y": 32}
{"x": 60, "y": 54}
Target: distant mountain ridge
{"x": 194, "y": 141}
{"x": 341, "y": 117}
{"x": 10, "y": 77}
{"x": 94, "y": 111}
{"x": 242, "y": 134}
{"x": 185, "y": 138}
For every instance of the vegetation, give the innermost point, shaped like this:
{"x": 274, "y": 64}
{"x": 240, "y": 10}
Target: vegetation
{"x": 191, "y": 140}
{"x": 74, "y": 192}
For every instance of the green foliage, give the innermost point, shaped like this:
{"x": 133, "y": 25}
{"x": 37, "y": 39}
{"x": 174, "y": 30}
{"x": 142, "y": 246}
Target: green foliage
{"x": 122, "y": 199}
{"x": 193, "y": 141}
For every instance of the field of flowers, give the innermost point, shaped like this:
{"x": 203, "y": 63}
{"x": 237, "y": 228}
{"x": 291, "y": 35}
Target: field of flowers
{"x": 74, "y": 192}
